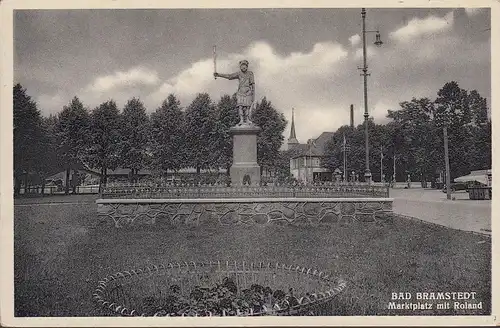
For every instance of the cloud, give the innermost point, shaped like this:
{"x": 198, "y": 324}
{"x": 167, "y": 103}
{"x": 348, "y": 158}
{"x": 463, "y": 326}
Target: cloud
{"x": 473, "y": 11}
{"x": 370, "y": 52}
{"x": 51, "y": 104}
{"x": 418, "y": 27}
{"x": 134, "y": 76}
{"x": 276, "y": 75}
{"x": 355, "y": 40}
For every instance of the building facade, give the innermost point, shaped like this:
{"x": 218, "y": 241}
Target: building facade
{"x": 306, "y": 159}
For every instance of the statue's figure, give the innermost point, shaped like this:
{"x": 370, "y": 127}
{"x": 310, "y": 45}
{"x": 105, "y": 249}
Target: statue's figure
{"x": 246, "y": 91}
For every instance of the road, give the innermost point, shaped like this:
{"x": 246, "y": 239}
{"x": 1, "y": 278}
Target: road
{"x": 431, "y": 205}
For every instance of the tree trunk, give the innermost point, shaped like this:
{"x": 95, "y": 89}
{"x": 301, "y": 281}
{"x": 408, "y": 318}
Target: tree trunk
{"x": 66, "y": 188}
{"x": 101, "y": 181}
{"x": 43, "y": 186}
{"x": 105, "y": 176}
{"x": 74, "y": 182}
{"x": 17, "y": 186}
{"x": 198, "y": 175}
{"x": 26, "y": 184}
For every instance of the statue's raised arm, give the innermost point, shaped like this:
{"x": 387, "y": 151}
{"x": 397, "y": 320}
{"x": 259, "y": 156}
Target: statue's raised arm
{"x": 246, "y": 91}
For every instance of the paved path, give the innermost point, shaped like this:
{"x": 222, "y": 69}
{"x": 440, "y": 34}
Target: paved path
{"x": 432, "y": 206}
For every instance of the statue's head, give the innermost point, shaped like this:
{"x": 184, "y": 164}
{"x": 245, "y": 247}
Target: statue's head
{"x": 244, "y": 65}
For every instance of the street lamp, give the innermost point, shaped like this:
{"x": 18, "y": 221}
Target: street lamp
{"x": 378, "y": 42}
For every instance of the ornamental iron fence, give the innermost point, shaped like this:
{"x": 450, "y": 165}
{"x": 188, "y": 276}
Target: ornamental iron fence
{"x": 215, "y": 191}
{"x": 219, "y": 289}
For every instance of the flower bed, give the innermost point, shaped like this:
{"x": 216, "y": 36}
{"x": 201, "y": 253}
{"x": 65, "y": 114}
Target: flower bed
{"x": 218, "y": 289}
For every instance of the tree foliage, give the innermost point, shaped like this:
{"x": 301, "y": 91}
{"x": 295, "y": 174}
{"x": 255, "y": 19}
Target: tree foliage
{"x": 105, "y": 138}
{"x": 173, "y": 139}
{"x": 30, "y": 137}
{"x": 167, "y": 136}
{"x": 73, "y": 136}
{"x": 134, "y": 153}
{"x": 270, "y": 139}
{"x": 200, "y": 133}
{"x": 226, "y": 117}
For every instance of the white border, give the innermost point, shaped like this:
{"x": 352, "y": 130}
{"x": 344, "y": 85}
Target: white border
{"x": 6, "y": 188}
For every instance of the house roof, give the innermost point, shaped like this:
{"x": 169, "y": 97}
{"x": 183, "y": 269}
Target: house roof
{"x": 315, "y": 148}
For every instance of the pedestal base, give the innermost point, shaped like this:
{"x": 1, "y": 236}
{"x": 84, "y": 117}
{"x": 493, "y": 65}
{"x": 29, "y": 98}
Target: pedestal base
{"x": 245, "y": 170}
{"x": 368, "y": 177}
{"x": 242, "y": 174}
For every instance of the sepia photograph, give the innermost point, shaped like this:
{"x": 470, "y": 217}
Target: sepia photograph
{"x": 202, "y": 163}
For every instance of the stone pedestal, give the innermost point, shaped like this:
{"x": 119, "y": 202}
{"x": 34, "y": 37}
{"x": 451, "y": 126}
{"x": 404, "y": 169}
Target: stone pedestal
{"x": 245, "y": 155}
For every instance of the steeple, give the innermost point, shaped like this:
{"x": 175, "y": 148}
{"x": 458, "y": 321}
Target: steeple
{"x": 292, "y": 140}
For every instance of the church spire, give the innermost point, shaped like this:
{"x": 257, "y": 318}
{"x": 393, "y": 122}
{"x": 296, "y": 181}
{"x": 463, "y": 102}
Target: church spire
{"x": 292, "y": 140}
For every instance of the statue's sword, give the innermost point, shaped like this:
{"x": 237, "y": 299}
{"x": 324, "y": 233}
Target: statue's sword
{"x": 215, "y": 62}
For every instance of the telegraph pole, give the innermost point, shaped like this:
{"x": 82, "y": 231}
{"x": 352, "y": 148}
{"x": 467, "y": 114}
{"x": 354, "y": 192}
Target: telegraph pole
{"x": 447, "y": 162}
{"x": 381, "y": 165}
{"x": 364, "y": 69}
{"x": 368, "y": 175}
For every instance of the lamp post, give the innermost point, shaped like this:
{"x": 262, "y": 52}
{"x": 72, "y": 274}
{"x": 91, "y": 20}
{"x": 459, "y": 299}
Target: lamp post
{"x": 364, "y": 68}
{"x": 394, "y": 170}
{"x": 381, "y": 166}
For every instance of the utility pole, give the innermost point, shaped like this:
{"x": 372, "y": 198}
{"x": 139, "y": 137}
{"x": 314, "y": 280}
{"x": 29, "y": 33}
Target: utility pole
{"x": 381, "y": 165}
{"x": 345, "y": 163}
{"x": 364, "y": 69}
{"x": 447, "y": 162}
{"x": 368, "y": 175}
{"x": 394, "y": 170}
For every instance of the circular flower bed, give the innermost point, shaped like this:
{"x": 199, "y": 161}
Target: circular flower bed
{"x": 218, "y": 289}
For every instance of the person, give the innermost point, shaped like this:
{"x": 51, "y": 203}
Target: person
{"x": 246, "y": 91}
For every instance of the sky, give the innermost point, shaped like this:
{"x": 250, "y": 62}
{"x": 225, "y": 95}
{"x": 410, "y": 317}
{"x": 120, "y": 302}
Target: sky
{"x": 306, "y": 59}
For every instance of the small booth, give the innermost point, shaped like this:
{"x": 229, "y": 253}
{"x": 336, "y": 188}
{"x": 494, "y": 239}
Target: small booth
{"x": 479, "y": 184}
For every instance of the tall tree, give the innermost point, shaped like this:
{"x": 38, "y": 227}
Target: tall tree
{"x": 51, "y": 163}
{"x": 481, "y": 132}
{"x": 167, "y": 136}
{"x": 226, "y": 117}
{"x": 29, "y": 137}
{"x": 416, "y": 144}
{"x": 105, "y": 137}
{"x": 200, "y": 133}
{"x": 453, "y": 110}
{"x": 134, "y": 137}
{"x": 73, "y": 135}
{"x": 270, "y": 139}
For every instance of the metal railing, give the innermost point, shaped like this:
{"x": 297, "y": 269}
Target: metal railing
{"x": 124, "y": 292}
{"x": 191, "y": 191}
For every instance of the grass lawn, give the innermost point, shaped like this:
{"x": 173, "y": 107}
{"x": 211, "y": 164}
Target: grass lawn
{"x": 61, "y": 251}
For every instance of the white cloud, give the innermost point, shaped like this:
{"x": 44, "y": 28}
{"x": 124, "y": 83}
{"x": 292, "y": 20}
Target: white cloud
{"x": 134, "y": 76}
{"x": 418, "y": 27}
{"x": 308, "y": 81}
{"x": 50, "y": 104}
{"x": 370, "y": 52}
{"x": 473, "y": 11}
{"x": 277, "y": 77}
{"x": 355, "y": 40}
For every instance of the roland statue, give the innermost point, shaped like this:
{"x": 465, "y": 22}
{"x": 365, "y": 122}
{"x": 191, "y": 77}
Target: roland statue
{"x": 246, "y": 91}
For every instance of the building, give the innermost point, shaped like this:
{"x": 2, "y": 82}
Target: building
{"x": 306, "y": 159}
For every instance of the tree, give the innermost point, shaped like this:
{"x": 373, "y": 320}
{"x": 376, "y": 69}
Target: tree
{"x": 73, "y": 136}
{"x": 167, "y": 136}
{"x": 105, "y": 137}
{"x": 134, "y": 153}
{"x": 415, "y": 139}
{"x": 50, "y": 162}
{"x": 481, "y": 132}
{"x": 453, "y": 111}
{"x": 226, "y": 117}
{"x": 29, "y": 138}
{"x": 270, "y": 139}
{"x": 200, "y": 133}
